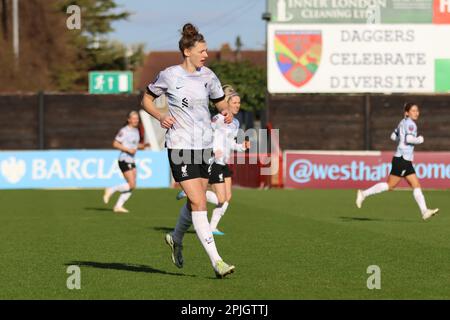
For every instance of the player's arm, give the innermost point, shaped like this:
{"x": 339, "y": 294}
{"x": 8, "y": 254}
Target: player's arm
{"x": 154, "y": 90}
{"x": 222, "y": 107}
{"x": 240, "y": 147}
{"x": 395, "y": 136}
{"x": 217, "y": 96}
{"x": 414, "y": 140}
{"x": 411, "y": 132}
{"x": 148, "y": 103}
{"x": 121, "y": 147}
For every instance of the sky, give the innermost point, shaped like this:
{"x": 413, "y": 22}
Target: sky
{"x": 157, "y": 23}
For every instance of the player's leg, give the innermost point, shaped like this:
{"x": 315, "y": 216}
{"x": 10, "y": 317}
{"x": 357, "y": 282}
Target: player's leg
{"x": 196, "y": 192}
{"x": 391, "y": 183}
{"x": 201, "y": 224}
{"x": 413, "y": 181}
{"x": 119, "y": 188}
{"x": 184, "y": 222}
{"x": 188, "y": 176}
{"x": 228, "y": 189}
{"x": 221, "y": 268}
{"x": 194, "y": 182}
{"x": 218, "y": 212}
{"x": 217, "y": 182}
{"x": 210, "y": 196}
{"x": 130, "y": 177}
{"x": 228, "y": 186}
{"x": 393, "y": 180}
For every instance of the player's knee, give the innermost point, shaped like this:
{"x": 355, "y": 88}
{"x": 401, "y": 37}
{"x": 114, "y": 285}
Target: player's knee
{"x": 198, "y": 204}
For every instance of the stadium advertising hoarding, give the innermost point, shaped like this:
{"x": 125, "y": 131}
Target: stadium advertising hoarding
{"x": 344, "y": 46}
{"x": 351, "y": 170}
{"x": 78, "y": 169}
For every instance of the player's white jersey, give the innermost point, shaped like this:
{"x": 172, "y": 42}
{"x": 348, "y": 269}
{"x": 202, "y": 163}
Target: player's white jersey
{"x": 188, "y": 96}
{"x": 129, "y": 137}
{"x": 225, "y": 139}
{"x": 406, "y": 150}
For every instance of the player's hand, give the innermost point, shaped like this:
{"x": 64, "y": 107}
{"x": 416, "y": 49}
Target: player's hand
{"x": 132, "y": 151}
{"x": 247, "y": 145}
{"x": 142, "y": 146}
{"x": 228, "y": 116}
{"x": 167, "y": 121}
{"x": 394, "y": 136}
{"x": 420, "y": 139}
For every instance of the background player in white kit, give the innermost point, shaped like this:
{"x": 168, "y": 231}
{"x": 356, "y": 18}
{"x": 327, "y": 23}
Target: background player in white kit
{"x": 406, "y": 136}
{"x": 225, "y": 143}
{"x": 189, "y": 87}
{"x": 127, "y": 141}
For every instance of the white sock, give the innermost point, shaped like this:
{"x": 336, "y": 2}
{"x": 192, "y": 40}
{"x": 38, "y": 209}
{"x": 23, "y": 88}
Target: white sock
{"x": 201, "y": 225}
{"x": 211, "y": 197}
{"x": 420, "y": 199}
{"x": 183, "y": 224}
{"x": 123, "y": 198}
{"x": 216, "y": 216}
{"x": 225, "y": 207}
{"x": 120, "y": 188}
{"x": 378, "y": 188}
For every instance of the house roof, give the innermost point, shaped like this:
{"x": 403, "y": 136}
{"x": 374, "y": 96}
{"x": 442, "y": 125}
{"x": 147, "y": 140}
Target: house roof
{"x": 159, "y": 60}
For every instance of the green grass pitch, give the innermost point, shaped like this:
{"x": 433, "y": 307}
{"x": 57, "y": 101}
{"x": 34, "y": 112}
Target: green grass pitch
{"x": 286, "y": 244}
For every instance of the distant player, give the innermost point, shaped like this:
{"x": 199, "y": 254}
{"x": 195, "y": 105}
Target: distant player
{"x": 127, "y": 141}
{"x": 406, "y": 136}
{"x": 225, "y": 142}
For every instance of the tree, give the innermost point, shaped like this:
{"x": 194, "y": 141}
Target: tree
{"x": 247, "y": 79}
{"x": 4, "y": 16}
{"x": 95, "y": 51}
{"x": 47, "y": 60}
{"x": 52, "y": 57}
{"x": 98, "y": 15}
{"x": 238, "y": 43}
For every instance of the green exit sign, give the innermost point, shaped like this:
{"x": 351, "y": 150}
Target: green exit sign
{"x": 110, "y": 82}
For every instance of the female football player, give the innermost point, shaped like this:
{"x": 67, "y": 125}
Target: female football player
{"x": 189, "y": 138}
{"x": 225, "y": 136}
{"x": 406, "y": 136}
{"x": 127, "y": 141}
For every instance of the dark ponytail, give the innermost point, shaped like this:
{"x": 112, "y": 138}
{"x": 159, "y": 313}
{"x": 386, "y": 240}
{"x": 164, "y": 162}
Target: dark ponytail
{"x": 408, "y": 106}
{"x": 189, "y": 37}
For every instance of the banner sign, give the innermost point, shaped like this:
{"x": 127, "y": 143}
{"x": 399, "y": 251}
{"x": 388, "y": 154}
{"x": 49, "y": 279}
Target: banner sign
{"x": 358, "y": 58}
{"x": 78, "y": 169}
{"x": 359, "y": 170}
{"x": 359, "y": 11}
{"x": 359, "y": 46}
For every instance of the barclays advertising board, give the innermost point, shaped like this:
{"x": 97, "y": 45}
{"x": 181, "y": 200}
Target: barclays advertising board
{"x": 78, "y": 169}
